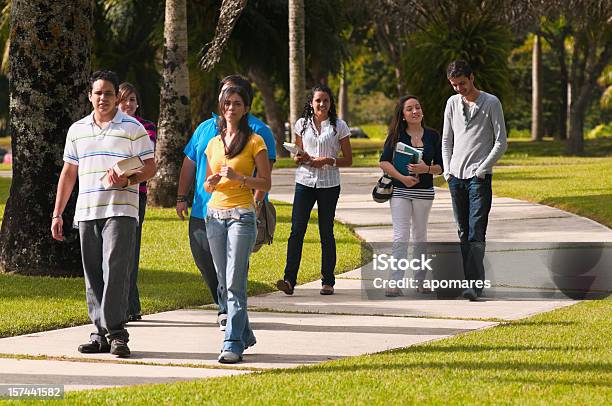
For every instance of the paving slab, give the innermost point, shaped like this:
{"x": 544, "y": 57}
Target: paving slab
{"x": 98, "y": 375}
{"x": 283, "y": 340}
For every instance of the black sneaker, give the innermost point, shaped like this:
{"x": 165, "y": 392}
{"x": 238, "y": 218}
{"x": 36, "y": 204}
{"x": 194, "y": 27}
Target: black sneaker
{"x": 119, "y": 348}
{"x": 134, "y": 317}
{"x": 94, "y": 347}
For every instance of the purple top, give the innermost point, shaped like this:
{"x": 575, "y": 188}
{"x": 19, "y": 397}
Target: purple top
{"x": 152, "y": 131}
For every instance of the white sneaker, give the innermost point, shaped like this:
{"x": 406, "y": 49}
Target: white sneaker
{"x": 222, "y": 320}
{"x": 228, "y": 357}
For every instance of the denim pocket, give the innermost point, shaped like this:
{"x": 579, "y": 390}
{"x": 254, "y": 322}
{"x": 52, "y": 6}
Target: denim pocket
{"x": 248, "y": 217}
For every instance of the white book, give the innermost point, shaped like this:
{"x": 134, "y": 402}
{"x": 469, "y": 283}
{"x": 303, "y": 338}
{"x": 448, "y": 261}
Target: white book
{"x": 293, "y": 148}
{"x": 127, "y": 167}
{"x": 408, "y": 150}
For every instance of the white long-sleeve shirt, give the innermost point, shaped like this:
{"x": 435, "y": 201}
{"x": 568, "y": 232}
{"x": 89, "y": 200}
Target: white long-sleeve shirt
{"x": 473, "y": 139}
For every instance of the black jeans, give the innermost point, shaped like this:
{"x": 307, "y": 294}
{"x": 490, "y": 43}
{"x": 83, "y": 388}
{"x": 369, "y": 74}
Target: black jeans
{"x": 198, "y": 242}
{"x": 471, "y": 205}
{"x": 134, "y": 296}
{"x": 303, "y": 202}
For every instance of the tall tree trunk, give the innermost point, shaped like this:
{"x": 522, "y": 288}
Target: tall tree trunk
{"x": 563, "y": 84}
{"x": 174, "y": 115}
{"x": 575, "y": 139}
{"x": 588, "y": 62}
{"x": 49, "y": 57}
{"x": 297, "y": 64}
{"x": 273, "y": 114}
{"x": 343, "y": 100}
{"x": 536, "y": 90}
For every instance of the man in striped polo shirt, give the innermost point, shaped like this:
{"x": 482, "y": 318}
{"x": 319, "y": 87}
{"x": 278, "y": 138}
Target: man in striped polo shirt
{"x": 106, "y": 218}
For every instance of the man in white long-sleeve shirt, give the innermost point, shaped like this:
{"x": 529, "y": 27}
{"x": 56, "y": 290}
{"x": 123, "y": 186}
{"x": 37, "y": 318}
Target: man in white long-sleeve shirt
{"x": 473, "y": 140}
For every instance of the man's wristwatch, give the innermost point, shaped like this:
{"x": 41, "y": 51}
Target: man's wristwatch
{"x": 334, "y": 163}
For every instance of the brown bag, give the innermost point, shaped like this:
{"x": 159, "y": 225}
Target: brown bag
{"x": 266, "y": 225}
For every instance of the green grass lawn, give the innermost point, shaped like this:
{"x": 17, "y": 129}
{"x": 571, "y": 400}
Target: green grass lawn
{"x": 168, "y": 277}
{"x": 561, "y": 357}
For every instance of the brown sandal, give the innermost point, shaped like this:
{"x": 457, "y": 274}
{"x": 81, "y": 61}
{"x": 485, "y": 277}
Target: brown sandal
{"x": 284, "y": 286}
{"x": 327, "y": 290}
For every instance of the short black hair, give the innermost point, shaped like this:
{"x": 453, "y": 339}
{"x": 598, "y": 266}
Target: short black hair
{"x": 458, "y": 68}
{"x": 239, "y": 81}
{"x": 107, "y": 75}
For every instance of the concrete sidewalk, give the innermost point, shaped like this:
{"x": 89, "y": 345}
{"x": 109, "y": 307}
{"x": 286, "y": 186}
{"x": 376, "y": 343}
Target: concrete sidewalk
{"x": 287, "y": 326}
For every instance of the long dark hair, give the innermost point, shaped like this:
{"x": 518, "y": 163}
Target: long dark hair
{"x": 398, "y": 125}
{"x": 244, "y": 131}
{"x": 308, "y": 112}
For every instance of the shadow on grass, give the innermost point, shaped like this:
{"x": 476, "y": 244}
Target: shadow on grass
{"x": 544, "y": 382}
{"x": 471, "y": 366}
{"x": 482, "y": 348}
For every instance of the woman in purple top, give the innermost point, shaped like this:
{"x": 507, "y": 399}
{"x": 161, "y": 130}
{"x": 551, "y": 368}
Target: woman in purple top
{"x": 129, "y": 100}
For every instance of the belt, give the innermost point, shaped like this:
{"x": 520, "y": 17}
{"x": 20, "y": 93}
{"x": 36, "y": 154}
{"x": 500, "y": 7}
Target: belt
{"x": 224, "y": 214}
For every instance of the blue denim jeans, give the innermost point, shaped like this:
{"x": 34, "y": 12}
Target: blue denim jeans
{"x": 303, "y": 202}
{"x": 231, "y": 243}
{"x": 471, "y": 205}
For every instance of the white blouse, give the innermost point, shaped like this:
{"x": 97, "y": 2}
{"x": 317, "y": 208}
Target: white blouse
{"x": 324, "y": 144}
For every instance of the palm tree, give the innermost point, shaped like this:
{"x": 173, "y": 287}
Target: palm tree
{"x": 297, "y": 64}
{"x": 174, "y": 127}
{"x": 474, "y": 37}
{"x": 536, "y": 90}
{"x": 48, "y": 66}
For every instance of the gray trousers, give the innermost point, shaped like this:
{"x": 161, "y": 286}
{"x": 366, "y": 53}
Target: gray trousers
{"x": 107, "y": 249}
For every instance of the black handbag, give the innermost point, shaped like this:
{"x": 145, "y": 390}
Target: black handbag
{"x": 383, "y": 190}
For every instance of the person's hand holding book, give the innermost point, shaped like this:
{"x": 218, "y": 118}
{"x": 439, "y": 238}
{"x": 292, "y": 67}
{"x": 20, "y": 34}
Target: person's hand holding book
{"x": 418, "y": 168}
{"x": 116, "y": 180}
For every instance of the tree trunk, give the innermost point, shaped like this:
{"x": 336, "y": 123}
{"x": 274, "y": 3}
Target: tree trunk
{"x": 49, "y": 57}
{"x": 297, "y": 64}
{"x": 273, "y": 114}
{"x": 575, "y": 140}
{"x": 563, "y": 83}
{"x": 536, "y": 90}
{"x": 343, "y": 101}
{"x": 174, "y": 116}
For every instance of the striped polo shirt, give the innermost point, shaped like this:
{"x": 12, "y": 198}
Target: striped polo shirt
{"x": 94, "y": 150}
{"x": 323, "y": 144}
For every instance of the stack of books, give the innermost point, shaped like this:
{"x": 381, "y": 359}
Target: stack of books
{"x": 127, "y": 167}
{"x": 404, "y": 155}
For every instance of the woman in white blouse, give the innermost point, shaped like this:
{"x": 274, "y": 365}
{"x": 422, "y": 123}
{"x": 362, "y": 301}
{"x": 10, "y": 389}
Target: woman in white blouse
{"x": 322, "y": 135}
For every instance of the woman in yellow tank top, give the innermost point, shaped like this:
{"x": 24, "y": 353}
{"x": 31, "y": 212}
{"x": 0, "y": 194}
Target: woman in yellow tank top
{"x": 231, "y": 229}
